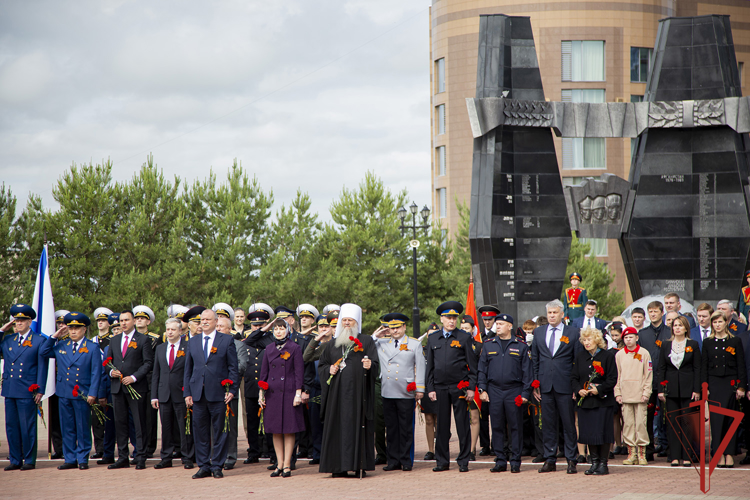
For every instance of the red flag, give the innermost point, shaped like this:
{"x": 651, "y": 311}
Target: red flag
{"x": 471, "y": 310}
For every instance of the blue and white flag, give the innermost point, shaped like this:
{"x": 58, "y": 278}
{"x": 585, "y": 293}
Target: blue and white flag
{"x": 44, "y": 306}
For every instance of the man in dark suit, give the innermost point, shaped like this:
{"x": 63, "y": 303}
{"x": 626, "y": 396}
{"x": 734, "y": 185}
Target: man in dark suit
{"x": 210, "y": 358}
{"x": 133, "y": 358}
{"x": 553, "y": 352}
{"x": 589, "y": 319}
{"x": 166, "y": 390}
{"x": 703, "y": 329}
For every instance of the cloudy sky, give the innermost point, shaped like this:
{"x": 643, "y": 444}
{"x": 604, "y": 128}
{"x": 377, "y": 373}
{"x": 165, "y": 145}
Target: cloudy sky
{"x": 304, "y": 94}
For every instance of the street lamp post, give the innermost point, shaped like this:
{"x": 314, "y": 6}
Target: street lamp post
{"x": 425, "y": 213}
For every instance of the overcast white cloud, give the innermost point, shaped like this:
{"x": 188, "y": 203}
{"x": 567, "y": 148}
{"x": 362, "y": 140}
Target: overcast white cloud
{"x": 86, "y": 81}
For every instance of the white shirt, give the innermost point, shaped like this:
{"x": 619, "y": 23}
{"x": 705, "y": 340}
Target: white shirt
{"x": 589, "y": 323}
{"x": 558, "y": 336}
{"x": 176, "y": 348}
{"x": 705, "y": 332}
{"x": 211, "y": 336}
{"x": 129, "y": 337}
{"x": 22, "y": 338}
{"x": 677, "y": 354}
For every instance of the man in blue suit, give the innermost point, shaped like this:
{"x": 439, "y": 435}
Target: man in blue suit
{"x": 79, "y": 373}
{"x": 552, "y": 352}
{"x": 210, "y": 358}
{"x": 703, "y": 329}
{"x": 589, "y": 319}
{"x": 24, "y": 367}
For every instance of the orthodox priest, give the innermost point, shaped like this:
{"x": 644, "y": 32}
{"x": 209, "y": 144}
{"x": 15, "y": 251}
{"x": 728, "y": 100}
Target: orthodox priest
{"x": 347, "y": 368}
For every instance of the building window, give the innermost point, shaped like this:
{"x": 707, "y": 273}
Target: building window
{"x": 584, "y": 152}
{"x": 440, "y": 119}
{"x": 598, "y": 246}
{"x": 440, "y": 75}
{"x": 440, "y": 159}
{"x": 640, "y": 63}
{"x": 583, "y": 61}
{"x": 442, "y": 203}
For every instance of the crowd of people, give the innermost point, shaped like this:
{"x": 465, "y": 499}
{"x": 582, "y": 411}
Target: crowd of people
{"x": 566, "y": 384}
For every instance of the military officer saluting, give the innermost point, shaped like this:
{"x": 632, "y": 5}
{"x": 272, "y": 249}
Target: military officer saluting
{"x": 79, "y": 374}
{"x": 505, "y": 382}
{"x": 307, "y": 314}
{"x": 256, "y": 343}
{"x": 24, "y": 366}
{"x": 575, "y": 298}
{"x": 402, "y": 372}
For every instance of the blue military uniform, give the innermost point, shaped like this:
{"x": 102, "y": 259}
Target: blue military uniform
{"x": 24, "y": 367}
{"x": 505, "y": 373}
{"x": 79, "y": 374}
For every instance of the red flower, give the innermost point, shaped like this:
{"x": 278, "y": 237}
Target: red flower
{"x": 599, "y": 370}
{"x": 75, "y": 391}
{"x": 732, "y": 382}
{"x": 35, "y": 387}
{"x": 263, "y": 385}
{"x": 518, "y": 400}
{"x": 411, "y": 387}
{"x": 535, "y": 384}
{"x": 463, "y": 384}
{"x": 226, "y": 382}
{"x": 107, "y": 361}
{"x": 664, "y": 383}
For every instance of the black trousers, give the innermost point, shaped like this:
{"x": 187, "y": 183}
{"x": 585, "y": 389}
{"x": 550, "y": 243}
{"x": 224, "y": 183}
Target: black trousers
{"x": 653, "y": 403}
{"x": 558, "y": 407}
{"x": 679, "y": 440}
{"x": 152, "y": 426}
{"x": 253, "y": 422}
{"x": 447, "y": 399}
{"x": 122, "y": 402}
{"x": 172, "y": 415}
{"x": 484, "y": 427}
{"x": 380, "y": 443}
{"x": 97, "y": 430}
{"x": 507, "y": 421}
{"x": 54, "y": 425}
{"x": 399, "y": 430}
{"x": 234, "y": 420}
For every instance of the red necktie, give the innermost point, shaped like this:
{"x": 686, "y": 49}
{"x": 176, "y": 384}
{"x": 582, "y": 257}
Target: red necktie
{"x": 125, "y": 346}
{"x": 171, "y": 357}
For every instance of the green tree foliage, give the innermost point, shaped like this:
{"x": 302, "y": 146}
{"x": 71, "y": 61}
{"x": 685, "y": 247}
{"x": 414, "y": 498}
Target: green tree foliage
{"x": 8, "y": 282}
{"x": 597, "y": 280}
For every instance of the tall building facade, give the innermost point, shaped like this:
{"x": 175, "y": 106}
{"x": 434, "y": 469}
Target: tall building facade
{"x": 587, "y": 52}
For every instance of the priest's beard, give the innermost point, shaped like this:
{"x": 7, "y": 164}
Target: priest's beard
{"x": 343, "y": 338}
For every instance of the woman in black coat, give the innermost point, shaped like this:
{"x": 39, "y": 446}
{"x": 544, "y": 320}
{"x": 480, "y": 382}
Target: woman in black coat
{"x": 724, "y": 370}
{"x": 597, "y": 408}
{"x": 680, "y": 368}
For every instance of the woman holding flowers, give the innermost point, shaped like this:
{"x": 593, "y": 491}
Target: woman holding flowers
{"x": 594, "y": 376}
{"x": 723, "y": 368}
{"x": 281, "y": 380}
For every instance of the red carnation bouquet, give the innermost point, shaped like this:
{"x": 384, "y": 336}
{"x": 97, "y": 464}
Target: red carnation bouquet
{"x": 227, "y": 384}
{"x": 108, "y": 364}
{"x": 100, "y": 415}
{"x": 261, "y": 427}
{"x": 464, "y": 386}
{"x": 537, "y": 408}
{"x": 411, "y": 387}
{"x": 355, "y": 346}
{"x": 518, "y": 400}
{"x": 598, "y": 372}
{"x": 33, "y": 389}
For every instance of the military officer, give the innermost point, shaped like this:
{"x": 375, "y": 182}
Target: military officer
{"x": 488, "y": 314}
{"x": 224, "y": 309}
{"x": 505, "y": 376}
{"x": 743, "y": 305}
{"x": 575, "y": 298}
{"x": 402, "y": 371}
{"x": 101, "y": 316}
{"x": 24, "y": 366}
{"x": 451, "y": 361}
{"x": 312, "y": 379}
{"x": 109, "y": 438}
{"x": 144, "y": 316}
{"x": 79, "y": 374}
{"x": 177, "y": 311}
{"x": 114, "y": 325}
{"x": 54, "y": 414}
{"x": 307, "y": 315}
{"x": 256, "y": 343}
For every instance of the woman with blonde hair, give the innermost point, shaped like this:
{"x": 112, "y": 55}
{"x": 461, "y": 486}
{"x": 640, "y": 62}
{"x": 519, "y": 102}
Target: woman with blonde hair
{"x": 594, "y": 376}
{"x": 723, "y": 367}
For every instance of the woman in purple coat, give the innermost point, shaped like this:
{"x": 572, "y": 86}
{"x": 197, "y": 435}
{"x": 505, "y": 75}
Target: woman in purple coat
{"x": 283, "y": 371}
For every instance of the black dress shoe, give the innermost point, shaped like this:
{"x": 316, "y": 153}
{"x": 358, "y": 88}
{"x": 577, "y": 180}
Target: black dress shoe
{"x": 271, "y": 467}
{"x": 548, "y": 467}
{"x": 472, "y": 457}
{"x": 279, "y": 472}
{"x": 538, "y": 459}
{"x": 611, "y": 455}
{"x": 335, "y": 474}
{"x": 581, "y": 459}
{"x": 249, "y": 460}
{"x": 83, "y": 466}
{"x": 572, "y": 467}
{"x": 28, "y": 467}
{"x": 228, "y": 466}
{"x": 13, "y": 467}
{"x": 164, "y": 464}
{"x": 463, "y": 468}
{"x": 380, "y": 460}
{"x": 499, "y": 468}
{"x": 650, "y": 457}
{"x": 149, "y": 454}
{"x": 56, "y": 456}
{"x": 105, "y": 461}
{"x": 302, "y": 454}
{"x": 140, "y": 466}
{"x": 217, "y": 474}
{"x": 315, "y": 461}
{"x": 188, "y": 465}
{"x": 405, "y": 468}
{"x": 440, "y": 468}
{"x": 429, "y": 456}
{"x": 392, "y": 467}
{"x": 120, "y": 464}
{"x": 97, "y": 455}
{"x": 592, "y": 469}
{"x": 67, "y": 465}
{"x": 601, "y": 469}
{"x": 202, "y": 473}
{"x": 133, "y": 462}
{"x": 515, "y": 469}
{"x": 287, "y": 472}
{"x": 485, "y": 452}
{"x": 176, "y": 454}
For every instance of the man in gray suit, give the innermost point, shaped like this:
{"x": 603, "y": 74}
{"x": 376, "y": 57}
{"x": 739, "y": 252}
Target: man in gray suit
{"x": 402, "y": 372}
{"x": 224, "y": 325}
{"x": 552, "y": 353}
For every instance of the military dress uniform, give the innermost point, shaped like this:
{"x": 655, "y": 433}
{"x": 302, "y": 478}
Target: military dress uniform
{"x": 255, "y": 343}
{"x": 575, "y": 299}
{"x": 505, "y": 373}
{"x": 79, "y": 374}
{"x": 97, "y": 428}
{"x": 401, "y": 364}
{"x": 24, "y": 366}
{"x": 743, "y": 304}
